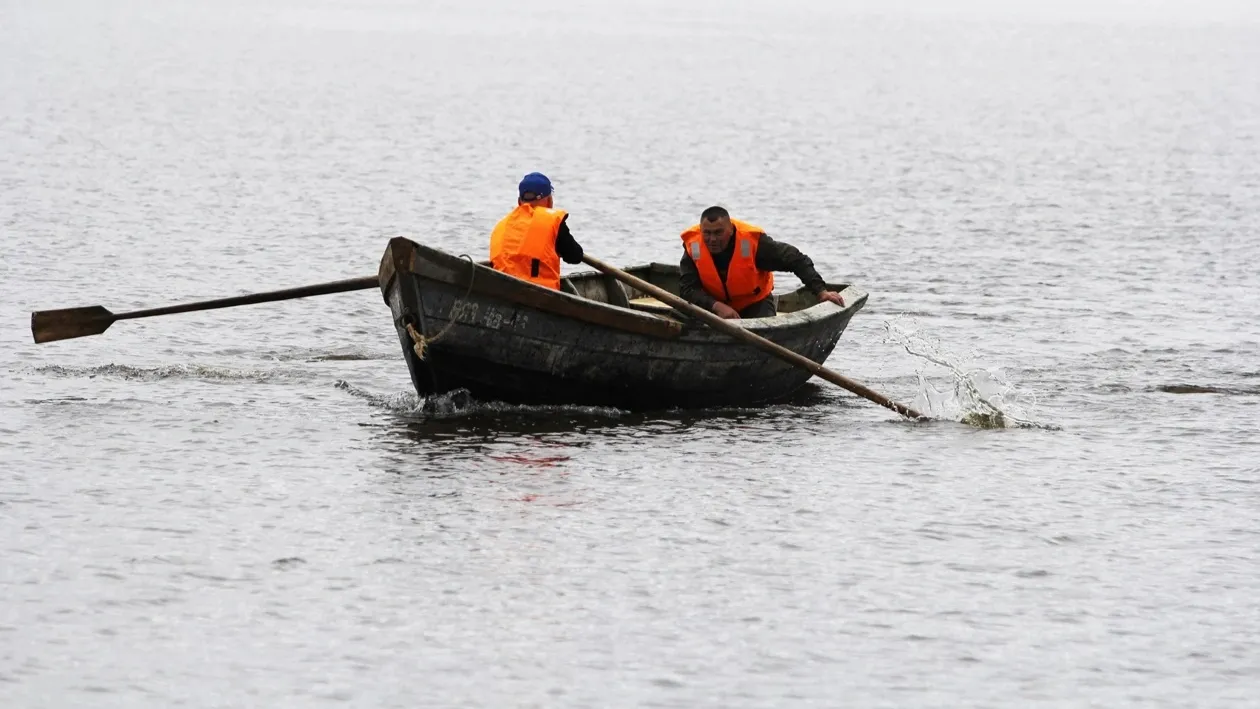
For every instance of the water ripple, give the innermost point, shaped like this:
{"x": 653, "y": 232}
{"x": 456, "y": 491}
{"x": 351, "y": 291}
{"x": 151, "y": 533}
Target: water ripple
{"x": 1055, "y": 218}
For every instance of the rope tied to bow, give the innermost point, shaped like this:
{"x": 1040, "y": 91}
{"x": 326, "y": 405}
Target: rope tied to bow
{"x": 420, "y": 343}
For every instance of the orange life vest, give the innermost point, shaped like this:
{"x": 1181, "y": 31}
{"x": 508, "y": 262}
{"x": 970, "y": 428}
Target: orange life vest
{"x": 523, "y": 244}
{"x": 744, "y": 284}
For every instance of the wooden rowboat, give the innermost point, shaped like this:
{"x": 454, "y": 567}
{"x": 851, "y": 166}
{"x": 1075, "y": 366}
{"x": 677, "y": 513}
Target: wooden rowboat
{"x": 463, "y": 325}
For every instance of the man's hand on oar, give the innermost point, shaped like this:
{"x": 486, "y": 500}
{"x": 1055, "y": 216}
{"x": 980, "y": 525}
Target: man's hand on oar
{"x": 68, "y": 323}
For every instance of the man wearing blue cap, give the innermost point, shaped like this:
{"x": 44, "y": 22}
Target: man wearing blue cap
{"x": 530, "y": 241}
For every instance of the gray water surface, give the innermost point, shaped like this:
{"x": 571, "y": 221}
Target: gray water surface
{"x": 249, "y": 507}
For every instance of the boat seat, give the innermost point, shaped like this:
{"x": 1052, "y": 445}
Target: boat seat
{"x": 616, "y": 294}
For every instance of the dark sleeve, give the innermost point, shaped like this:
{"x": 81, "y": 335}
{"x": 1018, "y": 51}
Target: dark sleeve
{"x": 777, "y": 256}
{"x": 689, "y": 287}
{"x": 568, "y": 247}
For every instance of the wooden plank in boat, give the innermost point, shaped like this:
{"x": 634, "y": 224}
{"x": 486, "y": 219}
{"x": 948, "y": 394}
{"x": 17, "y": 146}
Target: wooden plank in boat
{"x": 649, "y": 304}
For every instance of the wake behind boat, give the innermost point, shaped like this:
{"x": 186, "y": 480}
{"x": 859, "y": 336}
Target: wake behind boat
{"x": 464, "y": 325}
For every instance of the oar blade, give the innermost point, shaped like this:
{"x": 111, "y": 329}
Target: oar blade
{"x": 69, "y": 323}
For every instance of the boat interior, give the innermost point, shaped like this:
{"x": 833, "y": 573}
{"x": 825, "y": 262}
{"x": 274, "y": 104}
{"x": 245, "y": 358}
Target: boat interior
{"x": 597, "y": 286}
{"x": 602, "y": 288}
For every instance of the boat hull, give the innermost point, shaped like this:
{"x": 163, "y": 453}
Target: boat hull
{"x": 504, "y": 339}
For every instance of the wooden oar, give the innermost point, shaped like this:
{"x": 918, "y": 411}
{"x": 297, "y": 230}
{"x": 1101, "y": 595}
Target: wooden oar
{"x": 752, "y": 338}
{"x": 51, "y": 325}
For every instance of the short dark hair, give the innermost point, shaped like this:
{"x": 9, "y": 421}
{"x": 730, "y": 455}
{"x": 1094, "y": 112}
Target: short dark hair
{"x": 714, "y": 213}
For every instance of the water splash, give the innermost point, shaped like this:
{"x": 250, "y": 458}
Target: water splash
{"x": 980, "y": 397}
{"x": 401, "y": 403}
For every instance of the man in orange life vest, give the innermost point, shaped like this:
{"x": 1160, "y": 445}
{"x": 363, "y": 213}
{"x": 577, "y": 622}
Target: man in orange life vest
{"x": 728, "y": 266}
{"x": 530, "y": 241}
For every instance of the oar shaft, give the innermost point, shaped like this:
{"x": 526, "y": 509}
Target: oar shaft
{"x": 350, "y": 284}
{"x": 69, "y": 323}
{"x": 718, "y": 323}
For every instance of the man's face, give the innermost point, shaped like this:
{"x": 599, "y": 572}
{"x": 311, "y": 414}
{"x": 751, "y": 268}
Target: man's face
{"x": 717, "y": 234}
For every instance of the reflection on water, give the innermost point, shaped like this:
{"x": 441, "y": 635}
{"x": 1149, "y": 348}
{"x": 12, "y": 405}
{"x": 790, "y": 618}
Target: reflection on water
{"x": 459, "y": 420}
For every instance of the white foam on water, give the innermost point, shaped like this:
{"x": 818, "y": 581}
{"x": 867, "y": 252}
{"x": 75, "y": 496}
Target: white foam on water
{"x": 173, "y": 371}
{"x": 460, "y": 403}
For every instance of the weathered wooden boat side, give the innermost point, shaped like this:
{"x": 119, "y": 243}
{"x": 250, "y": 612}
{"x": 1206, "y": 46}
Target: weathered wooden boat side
{"x": 595, "y": 342}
